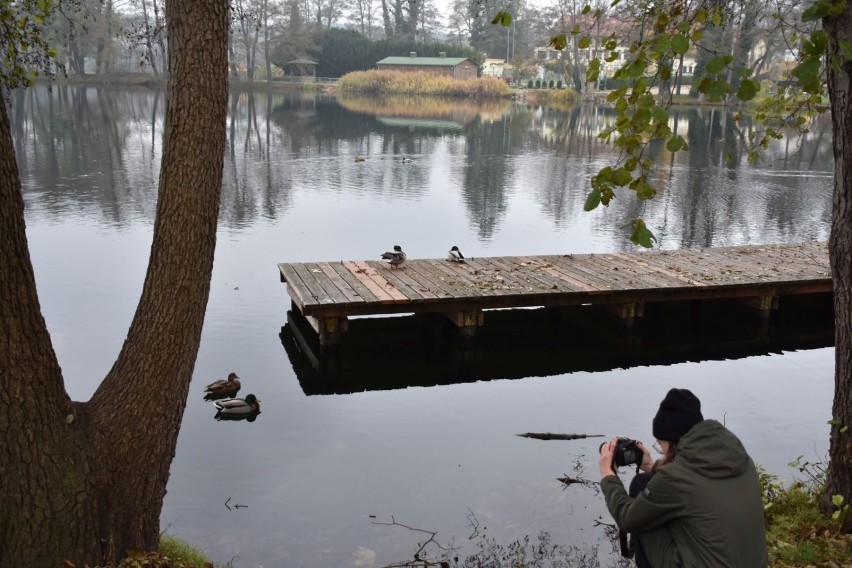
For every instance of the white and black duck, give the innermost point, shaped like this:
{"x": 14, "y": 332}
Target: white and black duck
{"x": 455, "y": 255}
{"x": 237, "y": 408}
{"x": 395, "y": 258}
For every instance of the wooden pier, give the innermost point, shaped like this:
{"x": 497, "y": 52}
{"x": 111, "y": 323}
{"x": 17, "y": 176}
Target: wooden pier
{"x": 327, "y": 293}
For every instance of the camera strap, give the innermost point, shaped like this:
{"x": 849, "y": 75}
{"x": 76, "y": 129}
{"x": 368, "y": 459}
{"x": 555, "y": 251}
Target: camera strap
{"x": 626, "y": 551}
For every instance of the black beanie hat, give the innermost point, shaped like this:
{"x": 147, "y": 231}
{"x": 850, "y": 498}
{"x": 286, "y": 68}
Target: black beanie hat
{"x": 678, "y": 413}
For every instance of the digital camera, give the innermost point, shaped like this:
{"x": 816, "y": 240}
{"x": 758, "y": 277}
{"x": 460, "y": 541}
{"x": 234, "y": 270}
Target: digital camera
{"x": 626, "y": 453}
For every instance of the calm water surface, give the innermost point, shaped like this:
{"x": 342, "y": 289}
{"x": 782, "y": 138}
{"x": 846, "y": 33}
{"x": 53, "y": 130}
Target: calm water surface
{"x": 316, "y": 471}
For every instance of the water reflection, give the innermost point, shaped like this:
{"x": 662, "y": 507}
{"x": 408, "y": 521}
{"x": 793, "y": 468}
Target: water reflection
{"x": 490, "y": 155}
{"x": 422, "y": 350}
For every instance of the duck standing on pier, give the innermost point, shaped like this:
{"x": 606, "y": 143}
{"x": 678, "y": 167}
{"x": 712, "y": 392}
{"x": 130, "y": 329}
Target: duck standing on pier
{"x": 455, "y": 255}
{"x": 395, "y": 258}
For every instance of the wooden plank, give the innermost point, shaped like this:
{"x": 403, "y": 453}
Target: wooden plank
{"x": 316, "y": 290}
{"x": 503, "y": 277}
{"x": 361, "y": 274}
{"x": 531, "y": 268}
{"x": 571, "y": 265}
{"x": 405, "y": 277}
{"x": 356, "y": 284}
{"x": 664, "y": 262}
{"x": 596, "y": 267}
{"x": 791, "y": 261}
{"x": 295, "y": 287}
{"x": 632, "y": 275}
{"x": 372, "y": 273}
{"x": 335, "y": 293}
{"x": 352, "y": 295}
{"x": 568, "y": 279}
{"x": 650, "y": 276}
{"x": 472, "y": 278}
{"x": 448, "y": 285}
{"x": 676, "y": 279}
{"x": 536, "y": 269}
{"x": 391, "y": 276}
{"x": 429, "y": 281}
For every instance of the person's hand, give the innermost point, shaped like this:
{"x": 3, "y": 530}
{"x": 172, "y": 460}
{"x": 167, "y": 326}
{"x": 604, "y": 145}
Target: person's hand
{"x": 605, "y": 461}
{"x": 647, "y": 464}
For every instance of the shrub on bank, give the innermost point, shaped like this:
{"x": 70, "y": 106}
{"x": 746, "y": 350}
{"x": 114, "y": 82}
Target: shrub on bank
{"x": 797, "y": 532}
{"x": 378, "y": 82}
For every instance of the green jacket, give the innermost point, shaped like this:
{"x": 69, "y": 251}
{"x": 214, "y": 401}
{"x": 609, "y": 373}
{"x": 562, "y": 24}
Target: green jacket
{"x": 702, "y": 509}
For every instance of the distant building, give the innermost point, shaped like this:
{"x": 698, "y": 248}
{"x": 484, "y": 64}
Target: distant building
{"x": 495, "y": 68}
{"x": 455, "y": 67}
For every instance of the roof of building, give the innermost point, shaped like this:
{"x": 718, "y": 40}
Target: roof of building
{"x": 424, "y": 61}
{"x": 302, "y": 62}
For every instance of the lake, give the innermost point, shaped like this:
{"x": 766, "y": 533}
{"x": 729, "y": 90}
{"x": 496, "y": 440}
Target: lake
{"x": 319, "y": 479}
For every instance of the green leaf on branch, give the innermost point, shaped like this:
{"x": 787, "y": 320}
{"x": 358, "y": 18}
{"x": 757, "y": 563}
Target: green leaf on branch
{"x": 818, "y": 11}
{"x": 716, "y": 65}
{"x": 747, "y": 89}
{"x": 714, "y": 89}
{"x": 816, "y": 45}
{"x": 641, "y": 235}
{"x": 593, "y": 200}
{"x": 642, "y": 188}
{"x": 680, "y": 44}
{"x": 558, "y": 42}
{"x": 503, "y": 18}
{"x": 621, "y": 177}
{"x": 584, "y": 42}
{"x": 662, "y": 43}
{"x": 675, "y": 143}
{"x": 808, "y": 74}
{"x": 594, "y": 70}
{"x": 586, "y": 9}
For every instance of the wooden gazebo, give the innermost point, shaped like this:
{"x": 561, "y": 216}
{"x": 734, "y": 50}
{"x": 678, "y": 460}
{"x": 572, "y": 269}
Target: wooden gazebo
{"x": 302, "y": 67}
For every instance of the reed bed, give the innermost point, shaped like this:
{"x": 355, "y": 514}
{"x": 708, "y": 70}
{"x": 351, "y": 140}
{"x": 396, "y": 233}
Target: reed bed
{"x": 383, "y": 83}
{"x": 462, "y": 111}
{"x": 561, "y": 98}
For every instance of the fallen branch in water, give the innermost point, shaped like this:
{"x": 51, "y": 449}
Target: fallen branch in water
{"x": 552, "y": 436}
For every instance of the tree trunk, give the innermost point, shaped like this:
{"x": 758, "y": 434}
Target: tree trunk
{"x": 86, "y": 481}
{"x": 839, "y": 28}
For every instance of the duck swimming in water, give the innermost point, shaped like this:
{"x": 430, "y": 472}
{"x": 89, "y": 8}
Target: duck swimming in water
{"x": 455, "y": 255}
{"x": 238, "y": 406}
{"x": 223, "y": 388}
{"x": 395, "y": 258}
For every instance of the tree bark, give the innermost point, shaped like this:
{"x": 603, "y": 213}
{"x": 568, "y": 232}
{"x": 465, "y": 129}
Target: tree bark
{"x": 86, "y": 481}
{"x": 839, "y": 70}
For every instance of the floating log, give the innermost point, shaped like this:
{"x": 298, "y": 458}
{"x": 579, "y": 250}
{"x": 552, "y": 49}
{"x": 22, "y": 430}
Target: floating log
{"x": 552, "y": 436}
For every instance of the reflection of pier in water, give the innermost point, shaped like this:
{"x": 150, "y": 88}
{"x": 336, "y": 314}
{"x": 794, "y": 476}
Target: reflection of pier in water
{"x": 422, "y": 350}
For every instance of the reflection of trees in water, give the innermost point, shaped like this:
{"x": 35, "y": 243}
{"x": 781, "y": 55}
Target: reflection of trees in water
{"x": 90, "y": 147}
{"x": 96, "y": 148}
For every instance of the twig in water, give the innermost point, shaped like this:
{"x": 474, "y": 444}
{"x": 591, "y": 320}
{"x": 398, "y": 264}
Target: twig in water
{"x": 552, "y": 436}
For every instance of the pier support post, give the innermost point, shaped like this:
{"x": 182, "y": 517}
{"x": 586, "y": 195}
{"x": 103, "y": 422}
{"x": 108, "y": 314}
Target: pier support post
{"x": 467, "y": 321}
{"x": 764, "y": 304}
{"x": 628, "y": 312}
{"x": 329, "y": 329}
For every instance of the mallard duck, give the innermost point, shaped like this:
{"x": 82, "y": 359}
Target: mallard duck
{"x": 223, "y": 388}
{"x": 455, "y": 255}
{"x": 238, "y": 406}
{"x": 395, "y": 258}
{"x": 406, "y": 160}
{"x": 359, "y": 158}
